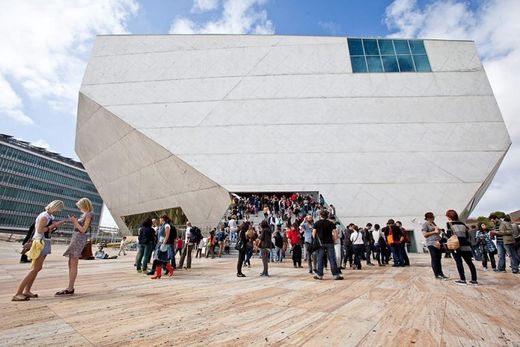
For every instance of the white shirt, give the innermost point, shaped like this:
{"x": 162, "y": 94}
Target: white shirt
{"x": 340, "y": 231}
{"x": 232, "y": 224}
{"x": 186, "y": 241}
{"x": 376, "y": 234}
{"x": 356, "y": 238}
{"x": 45, "y": 215}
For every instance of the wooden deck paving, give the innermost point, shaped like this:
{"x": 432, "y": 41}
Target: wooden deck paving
{"x": 209, "y": 305}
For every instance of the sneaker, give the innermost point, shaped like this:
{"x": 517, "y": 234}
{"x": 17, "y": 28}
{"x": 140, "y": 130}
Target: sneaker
{"x": 442, "y": 278}
{"x": 474, "y": 283}
{"x": 338, "y": 278}
{"x": 495, "y": 270}
{"x": 460, "y": 282}
{"x": 485, "y": 269}
{"x": 316, "y": 277}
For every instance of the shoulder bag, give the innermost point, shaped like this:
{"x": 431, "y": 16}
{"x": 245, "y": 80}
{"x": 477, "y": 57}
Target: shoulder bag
{"x": 86, "y": 254}
{"x": 453, "y": 242}
{"x": 390, "y": 237}
{"x": 240, "y": 245}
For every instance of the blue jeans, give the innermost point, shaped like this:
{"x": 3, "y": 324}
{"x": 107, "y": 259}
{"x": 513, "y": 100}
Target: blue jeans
{"x": 332, "y": 259}
{"x": 249, "y": 254}
{"x": 278, "y": 254}
{"x": 143, "y": 256}
{"x": 397, "y": 255}
{"x": 514, "y": 257}
{"x": 501, "y": 256}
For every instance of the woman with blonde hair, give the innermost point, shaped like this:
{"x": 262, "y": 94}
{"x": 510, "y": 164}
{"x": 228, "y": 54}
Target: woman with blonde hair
{"x": 78, "y": 241}
{"x": 43, "y": 227}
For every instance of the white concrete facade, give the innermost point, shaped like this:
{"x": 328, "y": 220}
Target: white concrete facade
{"x": 183, "y": 120}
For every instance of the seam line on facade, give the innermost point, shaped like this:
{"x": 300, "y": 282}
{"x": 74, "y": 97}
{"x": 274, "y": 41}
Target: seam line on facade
{"x": 314, "y": 124}
{"x": 296, "y": 98}
{"x": 339, "y": 73}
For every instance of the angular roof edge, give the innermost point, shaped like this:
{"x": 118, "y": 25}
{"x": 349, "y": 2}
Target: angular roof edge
{"x": 331, "y": 36}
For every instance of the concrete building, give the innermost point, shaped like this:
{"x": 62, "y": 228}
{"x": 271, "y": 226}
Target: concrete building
{"x": 31, "y": 177}
{"x": 381, "y": 128}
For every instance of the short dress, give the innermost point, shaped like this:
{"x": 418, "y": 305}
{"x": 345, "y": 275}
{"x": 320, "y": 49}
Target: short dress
{"x": 42, "y": 236}
{"x": 78, "y": 240}
{"x": 159, "y": 255}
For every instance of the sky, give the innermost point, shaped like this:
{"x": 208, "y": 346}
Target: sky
{"x": 46, "y": 46}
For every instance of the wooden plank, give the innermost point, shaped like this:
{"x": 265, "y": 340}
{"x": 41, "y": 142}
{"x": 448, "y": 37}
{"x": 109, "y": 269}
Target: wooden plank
{"x": 208, "y": 304}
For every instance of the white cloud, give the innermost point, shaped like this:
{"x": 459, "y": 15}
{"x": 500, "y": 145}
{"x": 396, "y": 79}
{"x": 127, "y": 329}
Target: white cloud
{"x": 494, "y": 26}
{"x": 43, "y": 144}
{"x": 237, "y": 17}
{"x": 44, "y": 44}
{"x": 330, "y": 27}
{"x": 204, "y": 5}
{"x": 11, "y": 103}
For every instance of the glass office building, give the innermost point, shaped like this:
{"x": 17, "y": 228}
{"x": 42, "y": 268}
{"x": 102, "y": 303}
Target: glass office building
{"x": 31, "y": 177}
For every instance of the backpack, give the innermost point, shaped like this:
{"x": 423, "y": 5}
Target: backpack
{"x": 278, "y": 241}
{"x": 173, "y": 235}
{"x": 195, "y": 235}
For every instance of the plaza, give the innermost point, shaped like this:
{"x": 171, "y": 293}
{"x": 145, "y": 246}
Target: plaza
{"x": 209, "y": 305}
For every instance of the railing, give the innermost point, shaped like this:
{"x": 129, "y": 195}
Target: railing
{"x": 63, "y": 235}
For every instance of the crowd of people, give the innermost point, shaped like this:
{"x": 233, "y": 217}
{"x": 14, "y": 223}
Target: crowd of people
{"x": 303, "y": 228}
{"x": 273, "y": 227}
{"x": 475, "y": 243}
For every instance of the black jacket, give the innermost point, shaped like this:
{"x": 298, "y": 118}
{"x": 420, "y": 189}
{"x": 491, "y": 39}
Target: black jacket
{"x": 146, "y": 236}
{"x": 265, "y": 238}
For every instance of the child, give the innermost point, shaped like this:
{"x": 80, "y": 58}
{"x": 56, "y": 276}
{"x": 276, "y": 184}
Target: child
{"x": 122, "y": 246}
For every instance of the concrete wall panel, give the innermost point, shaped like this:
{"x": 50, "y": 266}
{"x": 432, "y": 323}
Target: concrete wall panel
{"x": 194, "y": 117}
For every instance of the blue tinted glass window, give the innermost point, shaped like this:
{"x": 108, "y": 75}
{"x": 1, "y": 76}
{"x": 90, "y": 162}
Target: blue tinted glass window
{"x": 371, "y": 47}
{"x": 421, "y": 63}
{"x": 401, "y": 47}
{"x": 417, "y": 47}
{"x": 358, "y": 64}
{"x": 405, "y": 63}
{"x": 387, "y": 55}
{"x": 374, "y": 64}
{"x": 386, "y": 47}
{"x": 390, "y": 63}
{"x": 355, "y": 47}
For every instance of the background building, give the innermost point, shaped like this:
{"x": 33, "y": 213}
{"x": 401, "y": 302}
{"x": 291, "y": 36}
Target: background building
{"x": 382, "y": 128}
{"x": 31, "y": 177}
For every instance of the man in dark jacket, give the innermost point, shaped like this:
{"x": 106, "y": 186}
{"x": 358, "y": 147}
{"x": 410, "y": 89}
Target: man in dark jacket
{"x": 395, "y": 238}
{"x": 404, "y": 254}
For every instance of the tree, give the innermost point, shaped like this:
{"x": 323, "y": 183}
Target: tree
{"x": 499, "y": 214}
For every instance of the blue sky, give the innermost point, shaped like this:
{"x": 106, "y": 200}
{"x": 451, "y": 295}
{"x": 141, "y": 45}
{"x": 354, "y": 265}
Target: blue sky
{"x": 46, "y": 47}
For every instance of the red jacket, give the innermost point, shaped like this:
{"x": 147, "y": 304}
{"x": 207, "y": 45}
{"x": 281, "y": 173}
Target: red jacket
{"x": 294, "y": 236}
